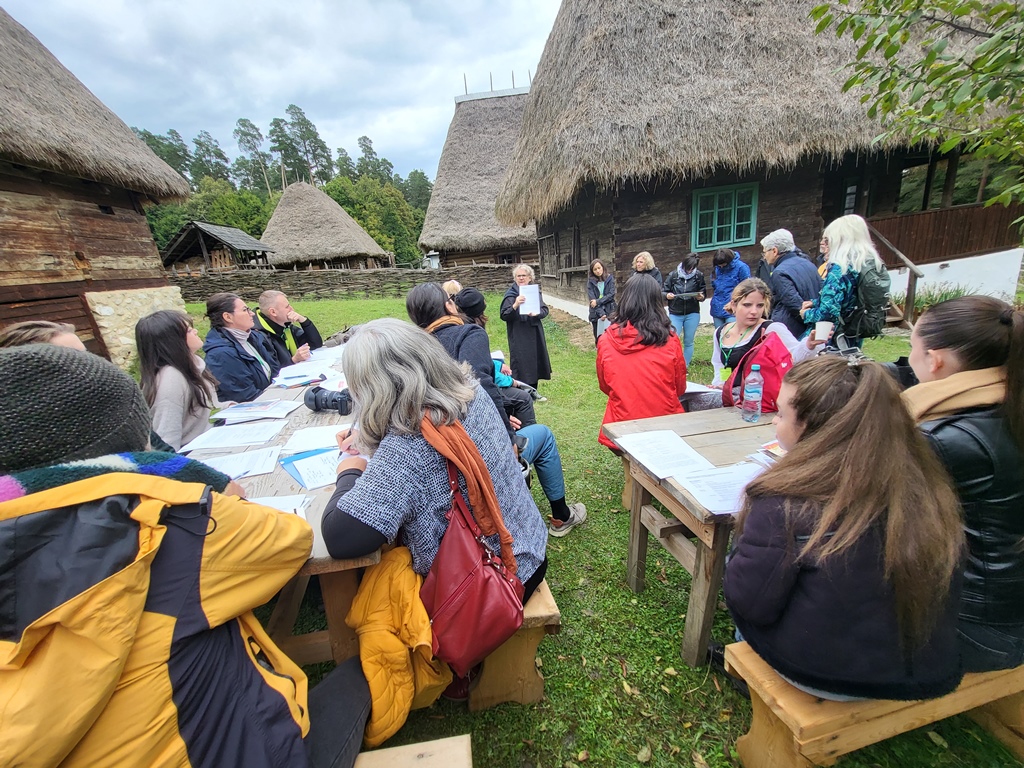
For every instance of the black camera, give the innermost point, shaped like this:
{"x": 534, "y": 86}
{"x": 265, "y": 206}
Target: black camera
{"x": 320, "y": 399}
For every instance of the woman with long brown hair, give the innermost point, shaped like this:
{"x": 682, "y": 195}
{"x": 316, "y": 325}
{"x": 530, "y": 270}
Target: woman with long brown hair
{"x": 845, "y": 574}
{"x": 968, "y": 354}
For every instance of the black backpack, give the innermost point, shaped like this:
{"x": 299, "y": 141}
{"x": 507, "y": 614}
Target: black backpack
{"x": 867, "y": 318}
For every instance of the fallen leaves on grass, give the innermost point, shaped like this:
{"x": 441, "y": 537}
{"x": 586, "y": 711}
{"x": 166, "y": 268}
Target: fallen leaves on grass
{"x": 937, "y": 740}
{"x": 645, "y": 754}
{"x": 583, "y": 756}
{"x": 670, "y": 671}
{"x": 698, "y": 760}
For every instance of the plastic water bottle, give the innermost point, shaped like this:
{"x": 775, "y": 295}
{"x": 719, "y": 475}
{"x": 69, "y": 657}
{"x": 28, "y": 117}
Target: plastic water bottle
{"x": 753, "y": 388}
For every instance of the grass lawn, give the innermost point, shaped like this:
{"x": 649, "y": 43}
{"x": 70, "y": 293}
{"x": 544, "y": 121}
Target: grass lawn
{"x": 617, "y": 692}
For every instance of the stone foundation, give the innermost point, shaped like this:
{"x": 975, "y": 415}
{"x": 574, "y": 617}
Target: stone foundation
{"x": 117, "y": 312}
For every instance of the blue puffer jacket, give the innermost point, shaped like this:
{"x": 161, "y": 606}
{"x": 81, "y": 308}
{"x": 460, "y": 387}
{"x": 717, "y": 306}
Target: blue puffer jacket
{"x": 240, "y": 377}
{"x": 723, "y": 283}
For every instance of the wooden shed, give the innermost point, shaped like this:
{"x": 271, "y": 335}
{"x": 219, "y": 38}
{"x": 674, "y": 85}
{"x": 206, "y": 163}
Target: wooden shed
{"x": 693, "y": 125}
{"x": 460, "y": 223}
{"x": 309, "y": 230}
{"x": 199, "y": 245}
{"x": 74, "y": 243}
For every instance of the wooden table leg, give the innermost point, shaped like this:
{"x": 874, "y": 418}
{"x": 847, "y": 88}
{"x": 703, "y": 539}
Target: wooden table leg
{"x": 286, "y": 609}
{"x": 339, "y": 589}
{"x": 636, "y": 560}
{"x": 705, "y": 585}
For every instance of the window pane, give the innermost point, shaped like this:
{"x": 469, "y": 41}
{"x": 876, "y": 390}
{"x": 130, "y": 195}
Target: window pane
{"x": 705, "y": 203}
{"x": 743, "y": 231}
{"x": 706, "y": 220}
{"x": 745, "y": 197}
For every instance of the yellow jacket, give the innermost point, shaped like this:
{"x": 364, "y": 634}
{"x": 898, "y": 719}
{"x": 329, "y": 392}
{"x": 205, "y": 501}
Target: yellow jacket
{"x": 395, "y": 644}
{"x": 133, "y": 641}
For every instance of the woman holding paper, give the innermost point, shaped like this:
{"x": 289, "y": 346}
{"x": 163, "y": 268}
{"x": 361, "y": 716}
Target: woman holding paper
{"x": 178, "y": 388}
{"x": 640, "y": 365}
{"x": 528, "y": 349}
{"x": 848, "y": 583}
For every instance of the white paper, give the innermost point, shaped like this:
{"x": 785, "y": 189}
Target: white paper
{"x": 263, "y": 409}
{"x": 318, "y": 471}
{"x": 330, "y": 354}
{"x": 532, "y": 304}
{"x": 663, "y": 453}
{"x": 295, "y": 505}
{"x": 311, "y": 438}
{"x": 236, "y": 435}
{"x": 310, "y": 369}
{"x": 248, "y": 464}
{"x": 720, "y": 490}
{"x": 335, "y": 384}
{"x": 692, "y": 388}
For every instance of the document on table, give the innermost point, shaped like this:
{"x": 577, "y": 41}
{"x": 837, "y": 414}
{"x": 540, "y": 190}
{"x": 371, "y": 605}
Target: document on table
{"x": 307, "y": 371}
{"x": 312, "y": 438}
{"x": 314, "y": 471}
{"x": 249, "y": 464}
{"x": 692, "y": 388}
{"x": 334, "y": 385}
{"x": 236, "y": 435}
{"x": 720, "y": 490}
{"x": 532, "y": 304}
{"x": 263, "y": 409}
{"x": 295, "y": 505}
{"x": 663, "y": 453}
{"x": 329, "y": 354}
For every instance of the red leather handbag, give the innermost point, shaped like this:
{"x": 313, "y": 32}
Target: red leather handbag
{"x": 474, "y": 603}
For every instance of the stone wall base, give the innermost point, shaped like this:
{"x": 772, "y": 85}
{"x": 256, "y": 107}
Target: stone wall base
{"x": 117, "y": 312}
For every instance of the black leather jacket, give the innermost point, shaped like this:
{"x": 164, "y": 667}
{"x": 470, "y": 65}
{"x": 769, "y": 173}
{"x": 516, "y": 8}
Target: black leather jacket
{"x": 988, "y": 471}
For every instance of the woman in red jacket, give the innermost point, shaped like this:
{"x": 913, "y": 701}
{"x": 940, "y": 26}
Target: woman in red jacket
{"x": 640, "y": 362}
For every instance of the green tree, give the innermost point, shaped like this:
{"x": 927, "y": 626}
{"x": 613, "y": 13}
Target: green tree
{"x": 170, "y": 148}
{"x": 165, "y": 221}
{"x": 381, "y": 210}
{"x": 250, "y": 143}
{"x": 417, "y": 188}
{"x": 369, "y": 164}
{"x": 311, "y": 147}
{"x": 345, "y": 165}
{"x": 288, "y": 154}
{"x": 946, "y": 72}
{"x": 208, "y": 159}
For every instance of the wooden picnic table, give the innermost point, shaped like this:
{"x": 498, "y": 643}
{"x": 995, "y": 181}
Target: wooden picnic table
{"x": 694, "y": 536}
{"x": 339, "y": 579}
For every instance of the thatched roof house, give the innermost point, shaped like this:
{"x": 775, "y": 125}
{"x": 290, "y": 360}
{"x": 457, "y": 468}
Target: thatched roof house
{"x": 75, "y": 246}
{"x": 460, "y": 223}
{"x": 690, "y": 125}
{"x": 310, "y": 230}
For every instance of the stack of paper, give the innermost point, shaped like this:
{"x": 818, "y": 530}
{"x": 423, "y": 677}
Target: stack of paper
{"x": 314, "y": 438}
{"x": 236, "y": 435}
{"x": 720, "y": 490}
{"x": 313, "y": 469}
{"x": 263, "y": 409}
{"x": 329, "y": 354}
{"x": 663, "y": 453}
{"x": 311, "y": 370}
{"x": 768, "y": 454}
{"x": 249, "y": 464}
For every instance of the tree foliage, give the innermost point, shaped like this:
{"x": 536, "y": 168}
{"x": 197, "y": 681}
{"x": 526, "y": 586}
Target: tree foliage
{"x": 381, "y": 210}
{"x": 208, "y": 160}
{"x": 945, "y": 72}
{"x": 253, "y": 164}
{"x": 170, "y": 148}
{"x": 369, "y": 164}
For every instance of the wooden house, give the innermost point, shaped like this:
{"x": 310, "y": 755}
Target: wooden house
{"x": 200, "y": 246}
{"x": 74, "y": 243}
{"x": 690, "y": 125}
{"x": 460, "y": 223}
{"x": 309, "y": 230}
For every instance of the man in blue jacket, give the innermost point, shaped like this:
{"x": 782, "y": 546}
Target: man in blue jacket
{"x": 794, "y": 279}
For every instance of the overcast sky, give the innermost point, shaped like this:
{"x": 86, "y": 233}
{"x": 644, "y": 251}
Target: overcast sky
{"x": 387, "y": 69}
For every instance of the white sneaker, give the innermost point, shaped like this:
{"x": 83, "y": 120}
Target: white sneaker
{"x": 577, "y": 516}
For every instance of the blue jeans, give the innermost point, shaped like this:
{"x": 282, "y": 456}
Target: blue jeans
{"x": 720, "y": 321}
{"x": 686, "y": 329}
{"x": 542, "y": 453}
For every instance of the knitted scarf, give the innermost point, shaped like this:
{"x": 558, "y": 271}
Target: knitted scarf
{"x": 454, "y": 443}
{"x": 443, "y": 321}
{"x": 169, "y": 465}
{"x": 959, "y": 392}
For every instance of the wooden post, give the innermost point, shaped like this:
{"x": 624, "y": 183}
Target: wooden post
{"x": 708, "y": 567}
{"x": 949, "y": 184}
{"x": 202, "y": 244}
{"x": 983, "y": 182}
{"x": 929, "y": 180}
{"x": 908, "y": 304}
{"x": 636, "y": 558}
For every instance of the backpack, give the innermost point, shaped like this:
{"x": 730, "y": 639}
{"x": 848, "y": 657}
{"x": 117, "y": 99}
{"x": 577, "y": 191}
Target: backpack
{"x": 867, "y": 318}
{"x": 775, "y": 360}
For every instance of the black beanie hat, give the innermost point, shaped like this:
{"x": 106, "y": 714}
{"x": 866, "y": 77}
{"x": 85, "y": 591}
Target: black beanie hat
{"x": 59, "y": 405}
{"x": 471, "y": 301}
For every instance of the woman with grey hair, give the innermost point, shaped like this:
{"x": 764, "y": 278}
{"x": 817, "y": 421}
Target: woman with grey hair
{"x": 417, "y": 408}
{"x": 527, "y": 346}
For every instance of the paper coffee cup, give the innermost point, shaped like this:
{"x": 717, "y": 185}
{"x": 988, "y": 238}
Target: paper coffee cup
{"x": 822, "y": 329}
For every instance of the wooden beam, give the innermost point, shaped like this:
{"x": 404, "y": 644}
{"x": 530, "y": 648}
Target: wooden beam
{"x": 929, "y": 181}
{"x": 949, "y": 184}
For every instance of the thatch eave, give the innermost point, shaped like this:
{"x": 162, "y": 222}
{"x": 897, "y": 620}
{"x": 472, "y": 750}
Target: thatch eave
{"x": 50, "y": 121}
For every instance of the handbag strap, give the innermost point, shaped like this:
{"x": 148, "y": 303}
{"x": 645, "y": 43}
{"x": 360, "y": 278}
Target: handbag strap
{"x": 459, "y": 501}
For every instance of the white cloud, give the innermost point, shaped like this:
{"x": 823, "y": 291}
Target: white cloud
{"x": 389, "y": 70}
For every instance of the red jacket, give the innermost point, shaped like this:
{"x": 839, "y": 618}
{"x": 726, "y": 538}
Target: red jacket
{"x": 640, "y": 381}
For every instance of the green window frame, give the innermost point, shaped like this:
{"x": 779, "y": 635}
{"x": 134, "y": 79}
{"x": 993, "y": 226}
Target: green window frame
{"x": 723, "y": 217}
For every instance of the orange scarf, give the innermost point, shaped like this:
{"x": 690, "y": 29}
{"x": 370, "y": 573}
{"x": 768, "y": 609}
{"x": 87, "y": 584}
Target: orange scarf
{"x": 453, "y": 442}
{"x": 443, "y": 321}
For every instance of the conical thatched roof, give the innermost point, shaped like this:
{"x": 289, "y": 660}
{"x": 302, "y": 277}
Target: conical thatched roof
{"x": 678, "y": 88}
{"x": 476, "y": 155}
{"x": 49, "y": 120}
{"x": 307, "y": 225}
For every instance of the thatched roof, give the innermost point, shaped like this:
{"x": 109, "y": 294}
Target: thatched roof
{"x": 307, "y": 225}
{"x": 50, "y": 120}
{"x": 476, "y": 155}
{"x": 185, "y": 244}
{"x": 648, "y": 89}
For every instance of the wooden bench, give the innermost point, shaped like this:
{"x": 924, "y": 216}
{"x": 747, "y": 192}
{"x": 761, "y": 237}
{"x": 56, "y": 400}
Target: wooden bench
{"x": 793, "y": 729}
{"x": 510, "y": 673}
{"x": 453, "y": 752}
